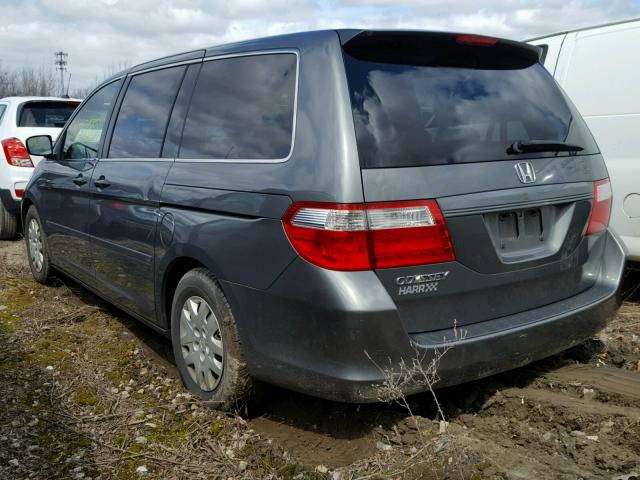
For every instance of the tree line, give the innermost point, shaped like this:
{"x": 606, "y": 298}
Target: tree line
{"x": 28, "y": 80}
{"x": 44, "y": 81}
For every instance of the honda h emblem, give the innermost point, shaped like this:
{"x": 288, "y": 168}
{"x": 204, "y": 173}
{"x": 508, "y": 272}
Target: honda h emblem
{"x": 526, "y": 173}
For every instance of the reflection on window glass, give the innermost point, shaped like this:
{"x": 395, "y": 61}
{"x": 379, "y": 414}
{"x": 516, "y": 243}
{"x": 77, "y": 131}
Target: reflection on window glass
{"x": 242, "y": 108}
{"x": 2, "y": 109}
{"x": 46, "y": 114}
{"x": 144, "y": 114}
{"x": 83, "y": 133}
{"x": 409, "y": 115}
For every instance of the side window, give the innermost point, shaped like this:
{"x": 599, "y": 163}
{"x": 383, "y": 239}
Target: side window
{"x": 2, "y": 109}
{"x": 83, "y": 134}
{"x": 242, "y": 108}
{"x": 144, "y": 114}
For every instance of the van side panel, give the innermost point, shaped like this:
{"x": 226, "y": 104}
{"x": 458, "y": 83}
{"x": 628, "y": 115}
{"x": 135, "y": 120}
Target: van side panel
{"x": 598, "y": 68}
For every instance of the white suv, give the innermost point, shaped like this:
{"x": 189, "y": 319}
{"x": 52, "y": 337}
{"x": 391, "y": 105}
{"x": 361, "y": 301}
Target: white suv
{"x": 20, "y": 118}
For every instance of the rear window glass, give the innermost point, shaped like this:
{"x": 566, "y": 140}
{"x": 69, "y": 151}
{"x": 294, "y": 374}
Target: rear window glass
{"x": 444, "y": 108}
{"x": 242, "y": 108}
{"x": 2, "y": 109}
{"x": 45, "y": 114}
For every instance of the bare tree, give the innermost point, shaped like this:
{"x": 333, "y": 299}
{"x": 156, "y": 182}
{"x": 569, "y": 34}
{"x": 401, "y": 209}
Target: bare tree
{"x": 42, "y": 81}
{"x": 27, "y": 80}
{"x": 110, "y": 71}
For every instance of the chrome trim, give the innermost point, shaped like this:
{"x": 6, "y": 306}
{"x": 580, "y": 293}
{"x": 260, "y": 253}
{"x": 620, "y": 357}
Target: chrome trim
{"x": 504, "y": 207}
{"x": 136, "y": 159}
{"x": 525, "y": 172}
{"x": 166, "y": 65}
{"x": 295, "y": 109}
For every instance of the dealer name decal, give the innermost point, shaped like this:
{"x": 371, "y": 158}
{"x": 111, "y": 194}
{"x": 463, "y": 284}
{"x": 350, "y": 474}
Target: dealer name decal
{"x": 421, "y": 283}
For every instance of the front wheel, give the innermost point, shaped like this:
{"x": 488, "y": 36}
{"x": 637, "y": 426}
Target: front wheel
{"x": 206, "y": 345}
{"x": 37, "y": 247}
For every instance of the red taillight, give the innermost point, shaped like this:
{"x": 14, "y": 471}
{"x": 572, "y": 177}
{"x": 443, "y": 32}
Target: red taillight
{"x": 366, "y": 236}
{"x": 19, "y": 192}
{"x": 479, "y": 40}
{"x": 601, "y": 210}
{"x": 16, "y": 153}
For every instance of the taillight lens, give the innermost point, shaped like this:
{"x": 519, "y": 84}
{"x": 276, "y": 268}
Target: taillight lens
{"x": 408, "y": 233}
{"x": 19, "y": 192}
{"x": 16, "y": 153}
{"x": 601, "y": 210}
{"x": 366, "y": 236}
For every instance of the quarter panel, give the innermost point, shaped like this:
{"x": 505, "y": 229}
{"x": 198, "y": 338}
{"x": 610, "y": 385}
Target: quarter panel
{"x": 246, "y": 250}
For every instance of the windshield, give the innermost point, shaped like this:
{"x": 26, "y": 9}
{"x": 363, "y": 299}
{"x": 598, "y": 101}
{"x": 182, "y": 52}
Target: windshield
{"x": 45, "y": 114}
{"x": 416, "y": 114}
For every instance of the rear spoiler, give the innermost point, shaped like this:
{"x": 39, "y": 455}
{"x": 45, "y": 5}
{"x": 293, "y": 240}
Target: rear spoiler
{"x": 438, "y": 49}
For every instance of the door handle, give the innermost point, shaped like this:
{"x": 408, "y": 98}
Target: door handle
{"x": 80, "y": 180}
{"x": 101, "y": 182}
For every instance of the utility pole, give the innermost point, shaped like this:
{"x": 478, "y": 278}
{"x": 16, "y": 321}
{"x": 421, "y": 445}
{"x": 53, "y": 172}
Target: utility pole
{"x": 61, "y": 64}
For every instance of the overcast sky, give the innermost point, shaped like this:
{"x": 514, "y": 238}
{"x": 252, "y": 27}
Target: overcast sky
{"x": 103, "y": 35}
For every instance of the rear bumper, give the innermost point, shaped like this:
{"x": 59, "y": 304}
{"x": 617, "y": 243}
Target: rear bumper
{"x": 337, "y": 335}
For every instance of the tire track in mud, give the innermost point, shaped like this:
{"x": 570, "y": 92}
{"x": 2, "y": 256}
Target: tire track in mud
{"x": 539, "y": 421}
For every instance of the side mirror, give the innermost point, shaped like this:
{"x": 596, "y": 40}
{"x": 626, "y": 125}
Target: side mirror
{"x": 40, "y": 145}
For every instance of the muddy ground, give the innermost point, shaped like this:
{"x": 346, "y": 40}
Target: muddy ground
{"x": 88, "y": 392}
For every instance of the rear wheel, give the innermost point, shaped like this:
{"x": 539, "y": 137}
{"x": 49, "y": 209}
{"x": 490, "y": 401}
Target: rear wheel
{"x": 37, "y": 252}
{"x": 8, "y": 224}
{"x": 206, "y": 345}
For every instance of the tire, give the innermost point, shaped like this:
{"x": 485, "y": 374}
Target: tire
{"x": 233, "y": 389}
{"x": 39, "y": 263}
{"x": 8, "y": 224}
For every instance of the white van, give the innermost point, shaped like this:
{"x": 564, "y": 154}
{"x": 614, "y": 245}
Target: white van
{"x": 599, "y": 68}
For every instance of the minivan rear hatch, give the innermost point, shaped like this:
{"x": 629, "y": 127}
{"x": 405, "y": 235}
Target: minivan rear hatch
{"x": 478, "y": 125}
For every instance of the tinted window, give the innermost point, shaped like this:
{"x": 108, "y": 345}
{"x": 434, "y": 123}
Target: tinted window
{"x": 242, "y": 108}
{"x": 83, "y": 134}
{"x": 451, "y": 110}
{"x": 144, "y": 113}
{"x": 2, "y": 109}
{"x": 174, "y": 130}
{"x": 45, "y": 114}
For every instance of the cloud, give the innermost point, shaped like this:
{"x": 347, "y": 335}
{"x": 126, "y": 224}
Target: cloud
{"x": 103, "y": 35}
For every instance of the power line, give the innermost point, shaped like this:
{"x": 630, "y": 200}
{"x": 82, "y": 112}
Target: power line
{"x": 61, "y": 64}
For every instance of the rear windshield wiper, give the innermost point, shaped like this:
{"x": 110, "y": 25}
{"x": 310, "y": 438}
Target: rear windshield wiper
{"x": 532, "y": 146}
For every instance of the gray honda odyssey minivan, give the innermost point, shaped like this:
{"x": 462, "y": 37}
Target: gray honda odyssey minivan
{"x": 304, "y": 209}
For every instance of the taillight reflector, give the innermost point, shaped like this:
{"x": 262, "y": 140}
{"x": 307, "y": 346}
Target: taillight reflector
{"x": 601, "y": 210}
{"x": 366, "y": 236}
{"x": 16, "y": 153}
{"x": 478, "y": 40}
{"x": 19, "y": 192}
